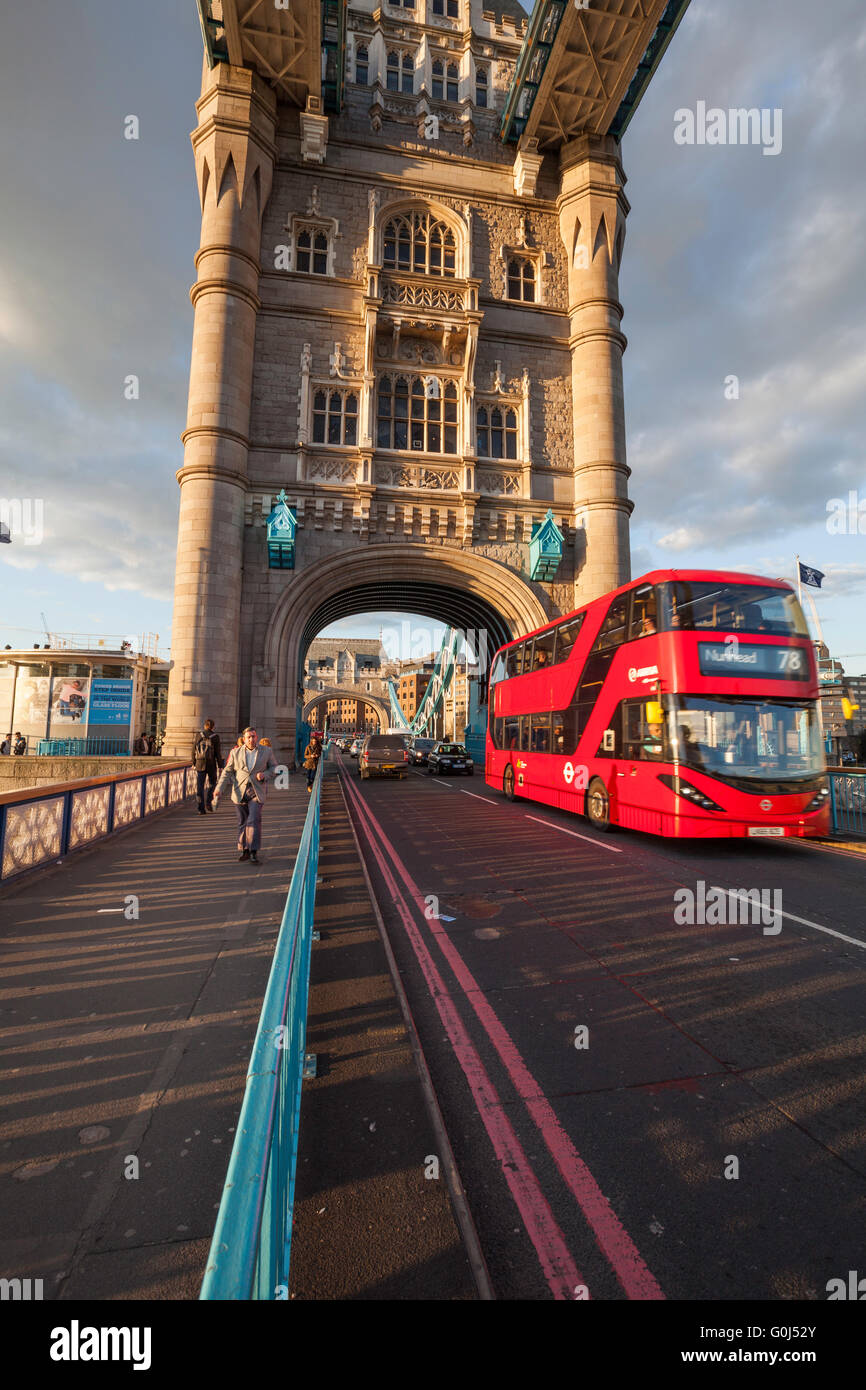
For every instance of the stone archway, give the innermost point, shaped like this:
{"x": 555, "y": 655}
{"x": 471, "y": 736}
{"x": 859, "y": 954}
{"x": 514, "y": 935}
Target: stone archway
{"x": 461, "y": 587}
{"x": 333, "y": 692}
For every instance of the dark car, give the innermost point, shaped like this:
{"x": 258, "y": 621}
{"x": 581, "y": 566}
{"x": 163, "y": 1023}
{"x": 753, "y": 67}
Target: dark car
{"x": 419, "y": 749}
{"x": 450, "y": 757}
{"x": 383, "y": 755}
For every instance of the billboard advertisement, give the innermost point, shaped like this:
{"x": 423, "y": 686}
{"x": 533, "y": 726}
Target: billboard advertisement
{"x": 69, "y": 700}
{"x": 110, "y": 702}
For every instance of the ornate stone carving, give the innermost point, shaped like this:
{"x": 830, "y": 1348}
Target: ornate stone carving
{"x": 338, "y": 361}
{"x": 421, "y": 296}
{"x": 497, "y": 484}
{"x": 341, "y": 470}
{"x": 89, "y": 815}
{"x": 32, "y": 834}
{"x": 420, "y": 476}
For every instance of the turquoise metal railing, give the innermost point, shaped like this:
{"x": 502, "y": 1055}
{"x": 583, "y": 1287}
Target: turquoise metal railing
{"x": 83, "y": 747}
{"x": 848, "y": 801}
{"x": 251, "y": 1246}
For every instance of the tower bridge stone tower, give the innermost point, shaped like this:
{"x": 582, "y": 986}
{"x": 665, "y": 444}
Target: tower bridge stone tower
{"x": 407, "y": 326}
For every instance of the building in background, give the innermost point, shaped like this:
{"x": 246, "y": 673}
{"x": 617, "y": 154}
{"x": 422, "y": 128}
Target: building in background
{"x": 104, "y": 690}
{"x": 458, "y": 700}
{"x": 345, "y": 670}
{"x": 841, "y": 735}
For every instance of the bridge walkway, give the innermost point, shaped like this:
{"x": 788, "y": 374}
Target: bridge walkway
{"x": 125, "y": 1045}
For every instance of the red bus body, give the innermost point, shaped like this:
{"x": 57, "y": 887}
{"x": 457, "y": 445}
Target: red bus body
{"x": 737, "y": 753}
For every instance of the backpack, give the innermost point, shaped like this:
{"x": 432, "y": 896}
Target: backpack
{"x": 204, "y": 750}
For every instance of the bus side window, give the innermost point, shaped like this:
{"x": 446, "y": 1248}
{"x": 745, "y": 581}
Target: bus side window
{"x": 540, "y": 724}
{"x": 511, "y": 733}
{"x": 514, "y": 660}
{"x": 564, "y": 731}
{"x": 543, "y": 653}
{"x": 523, "y": 741}
{"x": 644, "y": 615}
{"x": 566, "y": 636}
{"x": 496, "y": 732}
{"x": 613, "y": 629}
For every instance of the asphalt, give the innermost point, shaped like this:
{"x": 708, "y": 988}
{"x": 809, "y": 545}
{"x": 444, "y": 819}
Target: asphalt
{"x": 373, "y": 1218}
{"x": 704, "y": 1043}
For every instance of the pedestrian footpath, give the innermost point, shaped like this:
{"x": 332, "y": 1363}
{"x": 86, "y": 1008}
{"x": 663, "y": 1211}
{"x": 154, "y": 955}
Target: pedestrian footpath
{"x": 125, "y": 1044}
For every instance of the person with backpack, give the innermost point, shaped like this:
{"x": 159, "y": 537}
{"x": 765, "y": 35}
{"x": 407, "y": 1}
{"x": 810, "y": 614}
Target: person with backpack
{"x": 20, "y": 746}
{"x": 206, "y": 759}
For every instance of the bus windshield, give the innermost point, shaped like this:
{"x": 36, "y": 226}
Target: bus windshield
{"x": 770, "y": 740}
{"x": 718, "y": 607}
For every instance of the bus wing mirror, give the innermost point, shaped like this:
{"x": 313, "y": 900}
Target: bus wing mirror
{"x": 654, "y": 712}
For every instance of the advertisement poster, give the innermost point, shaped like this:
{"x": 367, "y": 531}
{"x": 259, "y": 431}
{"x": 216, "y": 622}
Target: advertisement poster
{"x": 31, "y": 706}
{"x": 110, "y": 702}
{"x": 70, "y": 700}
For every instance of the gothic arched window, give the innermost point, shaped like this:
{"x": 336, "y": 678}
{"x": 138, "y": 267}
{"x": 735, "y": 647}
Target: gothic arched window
{"x": 400, "y": 72}
{"x": 417, "y": 413}
{"x": 418, "y": 242}
{"x": 335, "y": 417}
{"x": 312, "y": 252}
{"x": 362, "y": 63}
{"x": 521, "y": 279}
{"x": 496, "y": 432}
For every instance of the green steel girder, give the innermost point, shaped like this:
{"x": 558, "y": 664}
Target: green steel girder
{"x": 214, "y": 34}
{"x": 665, "y": 30}
{"x": 535, "y": 53}
{"x": 333, "y": 53}
{"x": 531, "y": 64}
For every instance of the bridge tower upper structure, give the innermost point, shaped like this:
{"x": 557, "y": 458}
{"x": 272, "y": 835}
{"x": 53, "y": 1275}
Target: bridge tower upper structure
{"x": 407, "y": 328}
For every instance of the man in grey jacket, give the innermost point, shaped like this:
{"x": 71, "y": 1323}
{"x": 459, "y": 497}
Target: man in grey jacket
{"x": 247, "y": 772}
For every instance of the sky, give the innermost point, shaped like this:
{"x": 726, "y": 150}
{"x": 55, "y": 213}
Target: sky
{"x": 737, "y": 265}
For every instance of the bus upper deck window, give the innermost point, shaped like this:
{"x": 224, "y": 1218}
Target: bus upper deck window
{"x": 644, "y": 613}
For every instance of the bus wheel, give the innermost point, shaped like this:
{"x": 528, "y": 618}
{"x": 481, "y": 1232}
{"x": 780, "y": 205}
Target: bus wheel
{"x": 508, "y": 782}
{"x": 598, "y": 804}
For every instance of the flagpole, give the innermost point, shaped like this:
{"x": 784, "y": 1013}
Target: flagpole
{"x": 799, "y": 585}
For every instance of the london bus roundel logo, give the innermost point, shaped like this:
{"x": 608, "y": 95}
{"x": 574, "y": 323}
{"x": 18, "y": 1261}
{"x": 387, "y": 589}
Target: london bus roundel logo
{"x": 766, "y": 805}
{"x": 568, "y": 773}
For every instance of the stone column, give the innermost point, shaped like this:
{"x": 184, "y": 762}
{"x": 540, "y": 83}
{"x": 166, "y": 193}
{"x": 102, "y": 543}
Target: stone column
{"x": 592, "y": 213}
{"x": 234, "y": 156}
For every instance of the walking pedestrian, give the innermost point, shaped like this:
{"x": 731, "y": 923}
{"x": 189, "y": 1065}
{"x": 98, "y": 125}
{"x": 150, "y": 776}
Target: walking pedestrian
{"x": 247, "y": 772}
{"x": 312, "y": 754}
{"x": 19, "y": 748}
{"x": 207, "y": 761}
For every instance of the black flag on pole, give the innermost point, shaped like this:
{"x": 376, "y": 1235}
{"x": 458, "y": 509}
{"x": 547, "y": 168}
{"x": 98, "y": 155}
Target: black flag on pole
{"x": 810, "y": 576}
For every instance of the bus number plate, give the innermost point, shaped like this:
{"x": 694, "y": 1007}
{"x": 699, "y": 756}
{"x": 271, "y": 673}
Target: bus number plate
{"x": 766, "y": 829}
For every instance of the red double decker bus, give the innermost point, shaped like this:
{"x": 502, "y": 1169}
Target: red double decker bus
{"x": 684, "y": 704}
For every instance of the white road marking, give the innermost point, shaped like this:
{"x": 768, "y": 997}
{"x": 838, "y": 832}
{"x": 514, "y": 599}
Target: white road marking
{"x": 803, "y": 921}
{"x": 101, "y": 910}
{"x": 488, "y": 799}
{"x": 551, "y": 825}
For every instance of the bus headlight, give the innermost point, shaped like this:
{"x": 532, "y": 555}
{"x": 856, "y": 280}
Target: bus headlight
{"x": 819, "y": 799}
{"x": 689, "y": 792}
